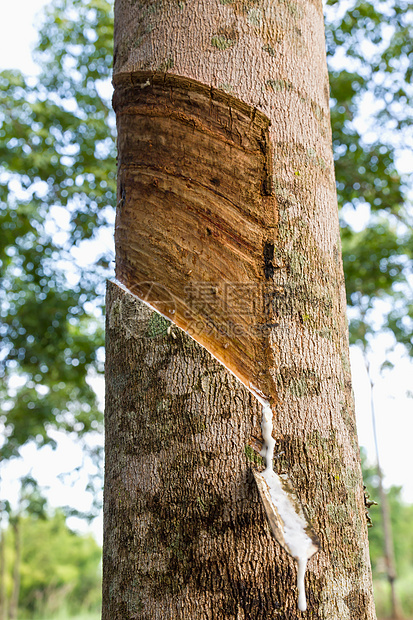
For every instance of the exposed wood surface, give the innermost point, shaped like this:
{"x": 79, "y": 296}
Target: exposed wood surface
{"x": 197, "y": 218}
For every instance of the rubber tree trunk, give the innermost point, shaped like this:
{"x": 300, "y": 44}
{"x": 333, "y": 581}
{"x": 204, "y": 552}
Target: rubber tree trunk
{"x": 227, "y": 225}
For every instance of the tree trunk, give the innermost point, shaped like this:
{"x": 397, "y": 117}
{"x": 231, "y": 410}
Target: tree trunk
{"x": 2, "y": 573}
{"x": 227, "y": 224}
{"x": 14, "y": 599}
{"x": 395, "y": 604}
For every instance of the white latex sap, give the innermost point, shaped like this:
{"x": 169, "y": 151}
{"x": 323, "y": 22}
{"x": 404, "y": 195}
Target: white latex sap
{"x": 296, "y": 538}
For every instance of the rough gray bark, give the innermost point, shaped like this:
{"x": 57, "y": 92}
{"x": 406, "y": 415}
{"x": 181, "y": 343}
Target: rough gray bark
{"x": 185, "y": 534}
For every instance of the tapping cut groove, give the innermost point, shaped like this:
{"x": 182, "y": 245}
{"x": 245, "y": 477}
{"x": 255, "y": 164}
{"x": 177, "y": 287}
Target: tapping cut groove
{"x": 197, "y": 213}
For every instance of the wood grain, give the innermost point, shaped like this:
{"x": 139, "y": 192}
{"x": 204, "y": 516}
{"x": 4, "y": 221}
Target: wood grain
{"x": 197, "y": 214}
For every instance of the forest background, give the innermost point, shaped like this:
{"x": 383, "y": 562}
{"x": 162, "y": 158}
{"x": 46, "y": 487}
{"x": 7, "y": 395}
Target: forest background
{"x": 58, "y": 193}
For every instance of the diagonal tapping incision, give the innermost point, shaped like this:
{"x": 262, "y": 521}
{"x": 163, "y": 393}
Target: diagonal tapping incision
{"x": 195, "y": 214}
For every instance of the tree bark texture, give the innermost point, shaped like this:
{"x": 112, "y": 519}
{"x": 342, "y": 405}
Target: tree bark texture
{"x": 227, "y": 225}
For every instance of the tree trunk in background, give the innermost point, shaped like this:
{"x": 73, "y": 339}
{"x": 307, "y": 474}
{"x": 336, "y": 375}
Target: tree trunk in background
{"x": 227, "y": 224}
{"x": 2, "y": 574}
{"x": 395, "y": 604}
{"x": 14, "y": 599}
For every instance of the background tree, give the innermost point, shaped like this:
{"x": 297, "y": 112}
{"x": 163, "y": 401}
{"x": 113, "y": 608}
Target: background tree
{"x": 5, "y": 510}
{"x": 401, "y": 518}
{"x": 31, "y": 502}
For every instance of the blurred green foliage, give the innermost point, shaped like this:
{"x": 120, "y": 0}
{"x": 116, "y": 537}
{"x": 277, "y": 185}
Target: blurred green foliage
{"x": 369, "y": 47}
{"x": 57, "y": 189}
{"x": 58, "y": 567}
